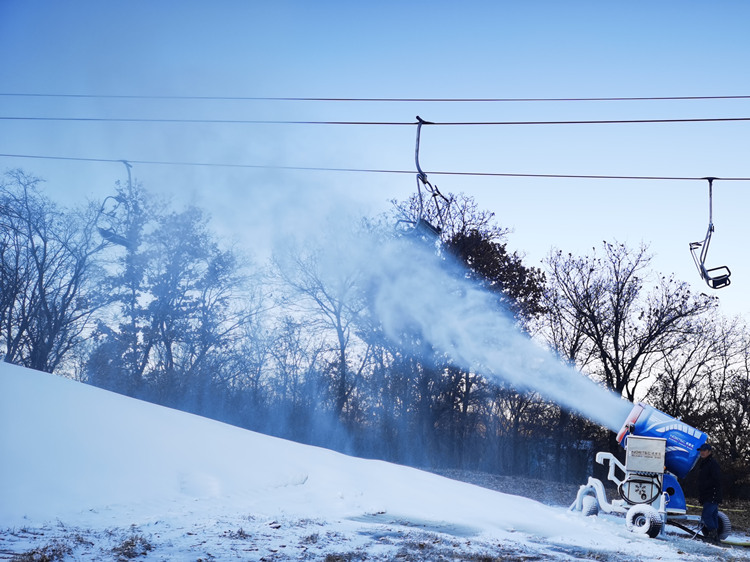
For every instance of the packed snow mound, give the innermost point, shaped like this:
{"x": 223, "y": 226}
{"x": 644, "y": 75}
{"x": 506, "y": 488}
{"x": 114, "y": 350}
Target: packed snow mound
{"x": 90, "y": 458}
{"x": 78, "y": 448}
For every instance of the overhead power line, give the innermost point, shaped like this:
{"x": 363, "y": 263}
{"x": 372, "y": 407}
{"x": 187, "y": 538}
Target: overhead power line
{"x": 373, "y": 100}
{"x": 397, "y": 123}
{"x": 370, "y": 170}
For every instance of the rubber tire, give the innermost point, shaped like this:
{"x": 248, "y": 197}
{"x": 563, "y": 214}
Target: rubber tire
{"x": 589, "y": 506}
{"x": 725, "y": 526}
{"x": 644, "y": 519}
{"x": 724, "y": 529}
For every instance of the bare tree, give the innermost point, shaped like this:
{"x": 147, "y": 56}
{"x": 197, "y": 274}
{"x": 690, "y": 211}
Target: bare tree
{"x": 46, "y": 273}
{"x": 681, "y": 388}
{"x": 563, "y": 329}
{"x": 729, "y": 394}
{"x": 183, "y": 308}
{"x": 514, "y": 414}
{"x": 626, "y": 324}
{"x": 460, "y": 215}
{"x": 295, "y": 358}
{"x": 322, "y": 287}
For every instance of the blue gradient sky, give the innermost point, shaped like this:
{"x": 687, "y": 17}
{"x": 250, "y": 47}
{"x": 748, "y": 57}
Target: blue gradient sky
{"x": 530, "y": 49}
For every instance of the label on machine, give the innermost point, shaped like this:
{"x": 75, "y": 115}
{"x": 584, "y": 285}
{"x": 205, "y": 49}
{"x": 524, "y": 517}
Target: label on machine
{"x": 645, "y": 455}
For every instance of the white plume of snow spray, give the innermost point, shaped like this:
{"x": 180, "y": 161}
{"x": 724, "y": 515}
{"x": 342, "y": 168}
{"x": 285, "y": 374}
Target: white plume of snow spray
{"x": 413, "y": 289}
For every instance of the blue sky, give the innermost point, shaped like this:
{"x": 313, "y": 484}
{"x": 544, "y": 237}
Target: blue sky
{"x": 530, "y": 49}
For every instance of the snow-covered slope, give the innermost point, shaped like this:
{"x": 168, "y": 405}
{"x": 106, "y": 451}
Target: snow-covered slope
{"x": 77, "y": 460}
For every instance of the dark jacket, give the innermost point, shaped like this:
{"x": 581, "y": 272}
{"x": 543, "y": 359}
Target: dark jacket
{"x": 709, "y": 480}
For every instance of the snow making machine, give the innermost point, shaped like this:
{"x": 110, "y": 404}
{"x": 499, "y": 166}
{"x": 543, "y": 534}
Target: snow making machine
{"x": 659, "y": 449}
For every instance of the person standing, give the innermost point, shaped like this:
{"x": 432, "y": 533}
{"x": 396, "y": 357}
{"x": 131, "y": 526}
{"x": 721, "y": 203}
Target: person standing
{"x": 709, "y": 492}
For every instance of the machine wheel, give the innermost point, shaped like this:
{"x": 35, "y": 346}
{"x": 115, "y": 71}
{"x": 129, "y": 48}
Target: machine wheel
{"x": 644, "y": 519}
{"x": 589, "y": 506}
{"x": 725, "y": 526}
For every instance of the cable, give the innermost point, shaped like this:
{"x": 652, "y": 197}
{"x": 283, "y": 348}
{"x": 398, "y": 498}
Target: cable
{"x": 371, "y": 170}
{"x": 201, "y": 121}
{"x": 376, "y": 100}
{"x": 206, "y": 164}
{"x": 397, "y": 123}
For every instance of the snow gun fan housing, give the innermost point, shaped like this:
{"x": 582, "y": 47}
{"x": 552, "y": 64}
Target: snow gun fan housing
{"x": 682, "y": 440}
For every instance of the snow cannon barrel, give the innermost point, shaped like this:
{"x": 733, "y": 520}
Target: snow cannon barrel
{"x": 682, "y": 440}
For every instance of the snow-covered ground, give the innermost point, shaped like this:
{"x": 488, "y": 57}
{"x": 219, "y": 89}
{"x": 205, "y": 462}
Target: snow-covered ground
{"x": 87, "y": 474}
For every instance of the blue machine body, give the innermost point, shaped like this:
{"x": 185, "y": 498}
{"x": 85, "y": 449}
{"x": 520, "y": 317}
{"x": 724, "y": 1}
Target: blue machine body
{"x": 682, "y": 440}
{"x": 676, "y": 496}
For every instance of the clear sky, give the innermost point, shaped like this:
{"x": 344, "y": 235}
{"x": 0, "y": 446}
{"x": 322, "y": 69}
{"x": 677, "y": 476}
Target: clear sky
{"x": 470, "y": 49}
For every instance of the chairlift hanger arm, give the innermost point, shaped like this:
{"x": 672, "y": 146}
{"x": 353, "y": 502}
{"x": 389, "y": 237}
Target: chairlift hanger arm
{"x": 107, "y": 221}
{"x": 420, "y": 122}
{"x": 710, "y": 201}
{"x": 128, "y": 165}
{"x": 717, "y": 277}
{"x": 421, "y": 175}
{"x": 421, "y": 225}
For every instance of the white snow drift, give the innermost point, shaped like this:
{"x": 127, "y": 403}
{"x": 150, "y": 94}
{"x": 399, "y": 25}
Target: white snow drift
{"x": 77, "y": 457}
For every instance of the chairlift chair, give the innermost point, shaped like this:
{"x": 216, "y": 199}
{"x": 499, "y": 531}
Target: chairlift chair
{"x": 427, "y": 228}
{"x": 715, "y": 277}
{"x": 111, "y": 236}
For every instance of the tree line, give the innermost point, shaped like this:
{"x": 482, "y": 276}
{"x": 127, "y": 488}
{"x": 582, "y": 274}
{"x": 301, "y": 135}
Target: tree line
{"x": 135, "y": 296}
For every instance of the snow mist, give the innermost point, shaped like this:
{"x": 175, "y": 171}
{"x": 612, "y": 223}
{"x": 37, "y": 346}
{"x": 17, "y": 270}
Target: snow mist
{"x": 416, "y": 290}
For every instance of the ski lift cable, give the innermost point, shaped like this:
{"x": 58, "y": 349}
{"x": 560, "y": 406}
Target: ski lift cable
{"x": 368, "y": 99}
{"x": 164, "y": 120}
{"x": 371, "y": 170}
